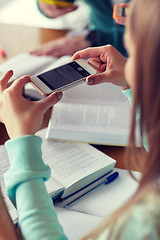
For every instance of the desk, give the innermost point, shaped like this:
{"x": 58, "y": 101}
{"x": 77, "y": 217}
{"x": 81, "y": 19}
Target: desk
{"x": 16, "y": 39}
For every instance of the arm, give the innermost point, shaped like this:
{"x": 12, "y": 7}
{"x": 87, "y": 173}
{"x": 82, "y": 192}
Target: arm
{"x": 7, "y": 228}
{"x": 25, "y": 178}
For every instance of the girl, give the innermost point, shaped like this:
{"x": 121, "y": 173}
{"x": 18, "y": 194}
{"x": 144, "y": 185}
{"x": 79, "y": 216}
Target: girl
{"x": 139, "y": 218}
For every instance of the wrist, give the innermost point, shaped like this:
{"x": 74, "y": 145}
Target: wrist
{"x": 121, "y": 79}
{"x": 17, "y": 133}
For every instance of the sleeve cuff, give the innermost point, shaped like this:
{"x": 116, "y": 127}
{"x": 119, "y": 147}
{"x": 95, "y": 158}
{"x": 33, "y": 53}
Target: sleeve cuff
{"x": 26, "y": 162}
{"x": 129, "y": 94}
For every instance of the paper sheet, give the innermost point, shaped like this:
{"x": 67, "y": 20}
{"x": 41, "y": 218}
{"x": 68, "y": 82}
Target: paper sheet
{"x": 107, "y": 198}
{"x": 75, "y": 224}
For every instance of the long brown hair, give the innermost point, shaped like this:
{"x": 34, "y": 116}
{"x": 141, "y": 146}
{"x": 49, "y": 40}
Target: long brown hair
{"x": 144, "y": 30}
{"x": 143, "y": 26}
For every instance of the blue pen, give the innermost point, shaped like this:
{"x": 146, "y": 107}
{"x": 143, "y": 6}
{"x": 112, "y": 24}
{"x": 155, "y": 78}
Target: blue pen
{"x": 108, "y": 178}
{"x": 112, "y": 177}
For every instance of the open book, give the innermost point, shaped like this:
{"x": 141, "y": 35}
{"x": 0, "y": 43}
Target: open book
{"x": 94, "y": 114}
{"x": 73, "y": 166}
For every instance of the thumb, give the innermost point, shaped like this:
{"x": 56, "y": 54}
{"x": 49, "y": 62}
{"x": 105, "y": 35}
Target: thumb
{"x": 97, "y": 78}
{"x": 50, "y": 100}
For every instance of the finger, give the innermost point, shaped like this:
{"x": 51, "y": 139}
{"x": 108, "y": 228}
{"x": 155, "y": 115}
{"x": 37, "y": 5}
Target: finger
{"x": 18, "y": 84}
{"x": 97, "y": 78}
{"x": 121, "y": 20}
{"x": 88, "y": 53}
{"x": 97, "y": 64}
{"x": 50, "y": 100}
{"x": 4, "y": 80}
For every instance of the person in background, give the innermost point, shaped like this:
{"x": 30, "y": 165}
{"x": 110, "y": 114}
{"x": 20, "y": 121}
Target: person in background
{"x": 102, "y": 29}
{"x": 139, "y": 217}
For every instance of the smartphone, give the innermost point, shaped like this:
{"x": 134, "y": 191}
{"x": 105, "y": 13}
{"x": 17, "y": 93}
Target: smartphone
{"x": 119, "y": 11}
{"x": 63, "y": 77}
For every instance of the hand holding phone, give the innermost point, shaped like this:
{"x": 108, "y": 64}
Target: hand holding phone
{"x": 27, "y": 116}
{"x": 63, "y": 77}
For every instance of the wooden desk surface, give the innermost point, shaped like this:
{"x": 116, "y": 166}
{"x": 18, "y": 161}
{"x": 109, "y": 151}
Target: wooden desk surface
{"x": 16, "y": 39}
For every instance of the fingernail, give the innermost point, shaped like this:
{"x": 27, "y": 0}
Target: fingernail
{"x": 90, "y": 81}
{"x": 59, "y": 95}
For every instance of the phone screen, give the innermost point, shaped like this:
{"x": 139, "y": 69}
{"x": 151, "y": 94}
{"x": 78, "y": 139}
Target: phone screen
{"x": 63, "y": 75}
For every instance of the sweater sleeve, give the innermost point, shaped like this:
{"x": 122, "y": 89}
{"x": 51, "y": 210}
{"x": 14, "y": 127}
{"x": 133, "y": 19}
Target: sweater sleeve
{"x": 129, "y": 94}
{"x": 26, "y": 188}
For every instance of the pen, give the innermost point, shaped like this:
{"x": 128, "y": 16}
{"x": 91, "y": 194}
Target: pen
{"x": 2, "y": 51}
{"x": 111, "y": 177}
{"x": 106, "y": 179}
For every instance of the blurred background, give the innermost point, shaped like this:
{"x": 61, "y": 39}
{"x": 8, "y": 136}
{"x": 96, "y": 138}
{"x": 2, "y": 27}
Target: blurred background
{"x": 2, "y": 2}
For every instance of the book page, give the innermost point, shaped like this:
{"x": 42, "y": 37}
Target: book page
{"x": 105, "y": 93}
{"x": 73, "y": 162}
{"x": 101, "y": 124}
{"x": 95, "y": 114}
